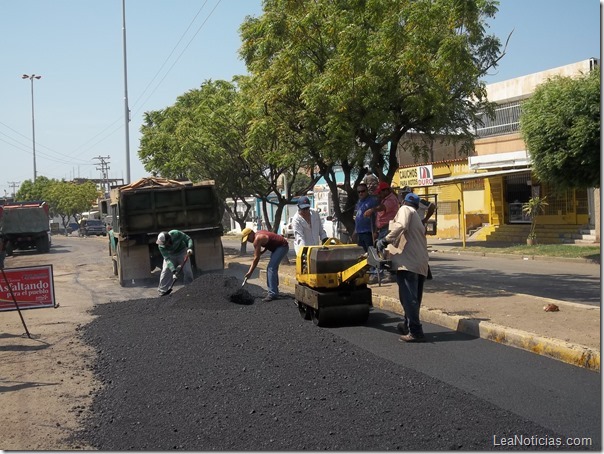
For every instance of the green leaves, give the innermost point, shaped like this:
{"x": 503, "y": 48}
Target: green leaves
{"x": 560, "y": 124}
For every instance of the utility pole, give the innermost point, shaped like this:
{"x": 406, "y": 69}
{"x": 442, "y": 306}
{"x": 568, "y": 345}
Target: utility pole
{"x": 13, "y": 184}
{"x": 33, "y": 127}
{"x": 126, "y": 108}
{"x": 104, "y": 173}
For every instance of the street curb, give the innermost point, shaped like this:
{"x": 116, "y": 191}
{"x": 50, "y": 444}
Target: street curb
{"x": 577, "y": 355}
{"x": 574, "y": 354}
{"x": 543, "y": 258}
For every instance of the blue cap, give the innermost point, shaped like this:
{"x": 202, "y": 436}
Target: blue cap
{"x": 412, "y": 199}
{"x": 303, "y": 202}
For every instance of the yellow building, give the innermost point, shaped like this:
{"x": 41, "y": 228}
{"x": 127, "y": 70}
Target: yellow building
{"x": 484, "y": 193}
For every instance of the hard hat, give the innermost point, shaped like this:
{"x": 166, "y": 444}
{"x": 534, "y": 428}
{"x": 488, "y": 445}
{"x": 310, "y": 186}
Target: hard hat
{"x": 245, "y": 233}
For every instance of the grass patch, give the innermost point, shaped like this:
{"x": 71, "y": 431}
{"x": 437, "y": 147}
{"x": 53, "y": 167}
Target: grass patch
{"x": 591, "y": 253}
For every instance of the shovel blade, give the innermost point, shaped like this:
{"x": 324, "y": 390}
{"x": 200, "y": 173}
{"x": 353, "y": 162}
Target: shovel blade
{"x": 244, "y": 281}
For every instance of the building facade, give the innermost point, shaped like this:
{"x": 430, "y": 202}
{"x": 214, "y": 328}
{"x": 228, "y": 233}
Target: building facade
{"x": 486, "y": 190}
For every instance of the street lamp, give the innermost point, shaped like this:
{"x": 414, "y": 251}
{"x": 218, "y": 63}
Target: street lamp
{"x": 33, "y": 128}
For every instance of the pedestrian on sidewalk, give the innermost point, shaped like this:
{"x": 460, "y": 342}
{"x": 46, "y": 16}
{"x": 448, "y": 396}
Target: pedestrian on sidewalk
{"x": 174, "y": 246}
{"x": 263, "y": 241}
{"x": 364, "y": 225}
{"x": 426, "y": 209}
{"x": 308, "y": 228}
{"x": 409, "y": 256}
{"x": 384, "y": 212}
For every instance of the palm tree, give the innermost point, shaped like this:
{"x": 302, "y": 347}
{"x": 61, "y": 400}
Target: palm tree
{"x": 533, "y": 208}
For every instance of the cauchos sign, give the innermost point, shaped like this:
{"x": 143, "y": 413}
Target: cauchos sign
{"x": 416, "y": 176}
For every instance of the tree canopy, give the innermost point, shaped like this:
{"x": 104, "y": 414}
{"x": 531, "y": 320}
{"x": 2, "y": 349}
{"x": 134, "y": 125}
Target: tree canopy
{"x": 65, "y": 199}
{"x": 343, "y": 81}
{"x": 331, "y": 85}
{"x": 560, "y": 125}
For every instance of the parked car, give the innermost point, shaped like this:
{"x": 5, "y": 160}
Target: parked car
{"x": 72, "y": 227}
{"x": 92, "y": 227}
{"x": 287, "y": 228}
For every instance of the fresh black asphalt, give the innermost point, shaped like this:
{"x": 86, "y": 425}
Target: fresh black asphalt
{"x": 199, "y": 370}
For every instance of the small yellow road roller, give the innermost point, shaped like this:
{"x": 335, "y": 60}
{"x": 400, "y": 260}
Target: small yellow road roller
{"x": 331, "y": 287}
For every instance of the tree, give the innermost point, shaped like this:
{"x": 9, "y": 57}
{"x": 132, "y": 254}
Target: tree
{"x": 34, "y": 191}
{"x": 533, "y": 208}
{"x": 68, "y": 199}
{"x": 343, "y": 81}
{"x": 560, "y": 124}
{"x": 205, "y": 135}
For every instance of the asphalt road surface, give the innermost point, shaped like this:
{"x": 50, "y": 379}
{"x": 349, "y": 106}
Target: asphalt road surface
{"x": 569, "y": 281}
{"x": 197, "y": 371}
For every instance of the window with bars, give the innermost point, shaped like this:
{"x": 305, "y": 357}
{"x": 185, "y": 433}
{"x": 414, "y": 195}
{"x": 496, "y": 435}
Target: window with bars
{"x": 506, "y": 121}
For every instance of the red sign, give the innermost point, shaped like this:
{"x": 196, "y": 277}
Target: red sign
{"x": 32, "y": 287}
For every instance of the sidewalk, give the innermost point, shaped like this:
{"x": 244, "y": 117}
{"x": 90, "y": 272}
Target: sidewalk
{"x": 508, "y": 318}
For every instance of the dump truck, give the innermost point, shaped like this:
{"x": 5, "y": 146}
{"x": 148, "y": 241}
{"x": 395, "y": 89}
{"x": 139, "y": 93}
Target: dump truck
{"x": 141, "y": 210}
{"x": 25, "y": 225}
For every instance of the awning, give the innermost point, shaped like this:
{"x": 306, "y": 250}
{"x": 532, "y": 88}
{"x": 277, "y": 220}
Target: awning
{"x": 474, "y": 176}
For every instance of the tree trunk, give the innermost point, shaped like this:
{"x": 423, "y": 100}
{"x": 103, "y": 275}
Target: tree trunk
{"x": 597, "y": 213}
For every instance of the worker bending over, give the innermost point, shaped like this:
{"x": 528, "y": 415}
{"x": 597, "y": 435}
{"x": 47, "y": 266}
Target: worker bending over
{"x": 263, "y": 241}
{"x": 174, "y": 247}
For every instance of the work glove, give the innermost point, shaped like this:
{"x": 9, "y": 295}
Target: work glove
{"x": 189, "y": 252}
{"x": 177, "y": 269}
{"x": 381, "y": 245}
{"x": 175, "y": 276}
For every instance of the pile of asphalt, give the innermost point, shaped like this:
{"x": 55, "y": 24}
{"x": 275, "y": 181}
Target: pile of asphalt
{"x": 199, "y": 371}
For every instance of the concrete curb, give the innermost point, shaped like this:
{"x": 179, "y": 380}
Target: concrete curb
{"x": 576, "y": 355}
{"x": 543, "y": 258}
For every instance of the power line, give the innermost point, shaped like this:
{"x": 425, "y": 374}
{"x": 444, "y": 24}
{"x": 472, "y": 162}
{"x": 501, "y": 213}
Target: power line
{"x": 182, "y": 52}
{"x": 110, "y": 129}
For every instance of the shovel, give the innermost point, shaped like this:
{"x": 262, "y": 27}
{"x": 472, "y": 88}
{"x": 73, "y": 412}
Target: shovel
{"x": 244, "y": 281}
{"x": 177, "y": 275}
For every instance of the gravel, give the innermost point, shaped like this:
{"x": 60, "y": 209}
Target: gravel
{"x": 212, "y": 367}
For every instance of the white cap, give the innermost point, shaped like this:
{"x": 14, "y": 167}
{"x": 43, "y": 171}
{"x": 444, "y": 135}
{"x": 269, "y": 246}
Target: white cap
{"x": 161, "y": 238}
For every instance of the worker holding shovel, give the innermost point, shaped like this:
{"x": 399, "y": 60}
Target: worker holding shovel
{"x": 175, "y": 247}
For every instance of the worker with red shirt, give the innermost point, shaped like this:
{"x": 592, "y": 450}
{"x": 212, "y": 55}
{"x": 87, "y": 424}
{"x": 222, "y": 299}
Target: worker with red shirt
{"x": 385, "y": 211}
{"x": 263, "y": 241}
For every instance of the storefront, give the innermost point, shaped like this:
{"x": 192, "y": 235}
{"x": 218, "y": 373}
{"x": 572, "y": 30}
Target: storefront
{"x": 471, "y": 198}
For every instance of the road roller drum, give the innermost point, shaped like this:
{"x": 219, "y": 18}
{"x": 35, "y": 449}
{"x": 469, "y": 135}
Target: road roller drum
{"x": 331, "y": 284}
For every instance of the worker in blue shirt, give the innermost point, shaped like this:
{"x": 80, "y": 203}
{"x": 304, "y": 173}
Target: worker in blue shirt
{"x": 364, "y": 225}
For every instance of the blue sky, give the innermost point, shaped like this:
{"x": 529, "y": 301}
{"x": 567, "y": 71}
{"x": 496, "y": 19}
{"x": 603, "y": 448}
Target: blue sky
{"x": 172, "y": 47}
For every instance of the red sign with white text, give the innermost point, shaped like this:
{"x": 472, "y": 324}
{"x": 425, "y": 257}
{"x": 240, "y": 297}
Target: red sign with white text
{"x": 32, "y": 287}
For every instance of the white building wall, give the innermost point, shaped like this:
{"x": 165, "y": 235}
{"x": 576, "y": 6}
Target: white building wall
{"x": 522, "y": 87}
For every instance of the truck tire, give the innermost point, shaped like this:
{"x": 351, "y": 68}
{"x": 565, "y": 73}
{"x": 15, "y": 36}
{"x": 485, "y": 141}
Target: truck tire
{"x": 42, "y": 244}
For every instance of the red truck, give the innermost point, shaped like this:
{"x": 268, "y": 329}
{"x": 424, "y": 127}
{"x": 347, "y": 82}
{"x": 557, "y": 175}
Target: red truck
{"x": 25, "y": 225}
